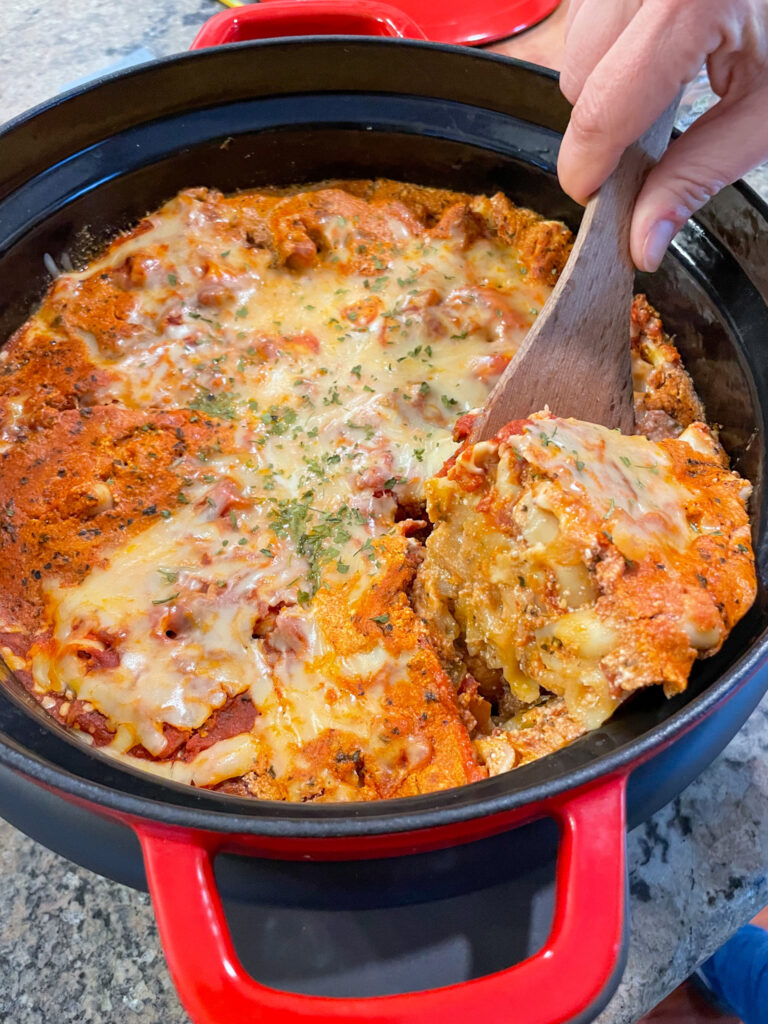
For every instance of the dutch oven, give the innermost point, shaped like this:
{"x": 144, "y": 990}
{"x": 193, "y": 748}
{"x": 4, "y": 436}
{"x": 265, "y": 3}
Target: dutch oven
{"x": 300, "y": 108}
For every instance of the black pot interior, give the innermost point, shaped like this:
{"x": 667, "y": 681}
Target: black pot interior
{"x": 81, "y": 170}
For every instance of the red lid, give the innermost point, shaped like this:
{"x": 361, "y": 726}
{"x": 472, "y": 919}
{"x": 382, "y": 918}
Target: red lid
{"x": 472, "y": 22}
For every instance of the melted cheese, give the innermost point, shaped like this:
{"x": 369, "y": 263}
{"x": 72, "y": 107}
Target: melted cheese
{"x": 182, "y": 606}
{"x": 343, "y": 388}
{"x": 585, "y": 563}
{"x": 319, "y": 363}
{"x": 266, "y": 582}
{"x": 615, "y": 474}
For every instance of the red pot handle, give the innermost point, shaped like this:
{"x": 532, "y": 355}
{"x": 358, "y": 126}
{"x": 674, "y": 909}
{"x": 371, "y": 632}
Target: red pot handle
{"x": 307, "y": 18}
{"x": 558, "y": 983}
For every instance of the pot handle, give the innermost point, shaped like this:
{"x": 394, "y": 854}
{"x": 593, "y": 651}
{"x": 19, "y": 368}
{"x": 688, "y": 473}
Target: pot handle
{"x": 560, "y": 982}
{"x": 306, "y": 18}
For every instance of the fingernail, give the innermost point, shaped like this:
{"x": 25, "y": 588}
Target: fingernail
{"x": 656, "y": 242}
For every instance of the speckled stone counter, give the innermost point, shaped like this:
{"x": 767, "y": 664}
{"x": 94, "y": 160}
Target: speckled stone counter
{"x": 77, "y": 948}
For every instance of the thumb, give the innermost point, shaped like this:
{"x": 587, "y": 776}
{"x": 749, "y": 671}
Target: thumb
{"x": 729, "y": 140}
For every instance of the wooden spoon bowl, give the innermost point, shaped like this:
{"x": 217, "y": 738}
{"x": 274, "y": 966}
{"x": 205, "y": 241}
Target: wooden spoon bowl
{"x": 575, "y": 360}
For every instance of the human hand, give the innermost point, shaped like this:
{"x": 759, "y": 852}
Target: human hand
{"x": 624, "y": 63}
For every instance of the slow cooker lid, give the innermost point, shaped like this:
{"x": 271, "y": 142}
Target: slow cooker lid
{"x": 455, "y": 21}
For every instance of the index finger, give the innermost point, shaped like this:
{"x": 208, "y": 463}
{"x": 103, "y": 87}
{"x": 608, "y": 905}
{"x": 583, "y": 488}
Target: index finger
{"x": 662, "y": 48}
{"x": 591, "y": 29}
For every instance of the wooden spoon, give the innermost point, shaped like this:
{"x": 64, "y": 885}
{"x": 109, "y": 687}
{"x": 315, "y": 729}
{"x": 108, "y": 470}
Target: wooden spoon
{"x": 576, "y": 357}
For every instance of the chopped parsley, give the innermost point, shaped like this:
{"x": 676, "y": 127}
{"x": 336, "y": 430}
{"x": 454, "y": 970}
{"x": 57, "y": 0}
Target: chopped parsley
{"x": 279, "y": 418}
{"x": 221, "y": 406}
{"x": 317, "y": 535}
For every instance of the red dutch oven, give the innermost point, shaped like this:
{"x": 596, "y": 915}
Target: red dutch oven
{"x": 269, "y": 111}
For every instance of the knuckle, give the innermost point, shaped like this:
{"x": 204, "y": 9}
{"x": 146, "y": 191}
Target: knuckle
{"x": 691, "y": 192}
{"x": 588, "y": 122}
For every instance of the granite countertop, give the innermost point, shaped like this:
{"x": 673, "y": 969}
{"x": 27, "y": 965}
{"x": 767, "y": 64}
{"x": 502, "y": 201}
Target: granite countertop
{"x": 697, "y": 869}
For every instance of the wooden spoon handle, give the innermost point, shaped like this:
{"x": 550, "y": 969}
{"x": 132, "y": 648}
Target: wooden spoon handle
{"x": 576, "y": 356}
{"x": 605, "y": 226}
